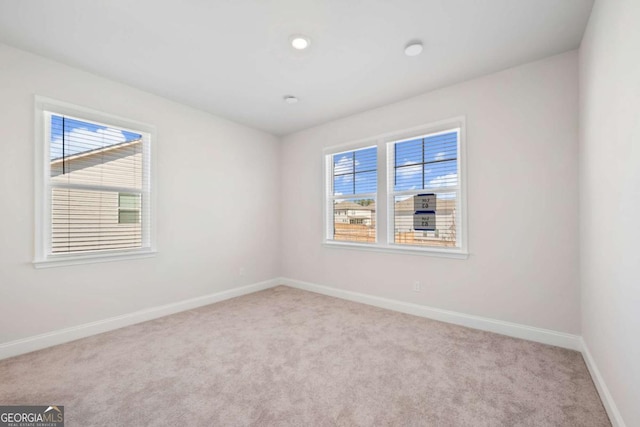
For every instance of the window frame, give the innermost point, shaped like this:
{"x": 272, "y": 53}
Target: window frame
{"x": 330, "y": 197}
{"x": 384, "y": 216}
{"x": 44, "y": 108}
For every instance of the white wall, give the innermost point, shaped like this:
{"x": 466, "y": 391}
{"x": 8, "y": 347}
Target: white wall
{"x": 522, "y": 144}
{"x": 218, "y": 205}
{"x": 610, "y": 198}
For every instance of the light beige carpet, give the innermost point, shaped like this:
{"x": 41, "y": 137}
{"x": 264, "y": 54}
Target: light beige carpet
{"x": 285, "y": 357}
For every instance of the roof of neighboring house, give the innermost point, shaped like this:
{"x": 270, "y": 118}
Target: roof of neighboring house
{"x": 406, "y": 205}
{"x": 95, "y": 151}
{"x": 90, "y": 158}
{"x": 351, "y": 206}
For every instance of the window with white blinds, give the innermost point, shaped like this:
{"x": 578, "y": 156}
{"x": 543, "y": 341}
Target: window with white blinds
{"x": 96, "y": 187}
{"x": 422, "y": 207}
{"x": 352, "y": 191}
{"x": 424, "y": 190}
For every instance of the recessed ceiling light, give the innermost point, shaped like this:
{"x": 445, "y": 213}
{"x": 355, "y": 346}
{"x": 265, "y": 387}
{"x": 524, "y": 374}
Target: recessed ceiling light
{"x": 290, "y": 99}
{"x": 413, "y": 48}
{"x": 300, "y": 42}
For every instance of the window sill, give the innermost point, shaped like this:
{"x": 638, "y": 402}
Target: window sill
{"x": 62, "y": 261}
{"x": 395, "y": 249}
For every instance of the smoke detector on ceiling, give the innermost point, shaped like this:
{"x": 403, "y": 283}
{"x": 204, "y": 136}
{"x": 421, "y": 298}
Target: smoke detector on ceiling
{"x": 413, "y": 48}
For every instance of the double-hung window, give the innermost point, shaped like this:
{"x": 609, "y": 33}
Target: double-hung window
{"x": 94, "y": 192}
{"x": 352, "y": 193}
{"x": 420, "y": 210}
{"x": 424, "y": 190}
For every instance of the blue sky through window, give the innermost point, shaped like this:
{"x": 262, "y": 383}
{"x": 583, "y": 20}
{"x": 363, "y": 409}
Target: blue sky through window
{"x": 81, "y": 136}
{"x": 425, "y": 163}
{"x": 355, "y": 172}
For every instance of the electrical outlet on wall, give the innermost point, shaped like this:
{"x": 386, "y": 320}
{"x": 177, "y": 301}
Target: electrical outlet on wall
{"x": 242, "y": 271}
{"x": 417, "y": 287}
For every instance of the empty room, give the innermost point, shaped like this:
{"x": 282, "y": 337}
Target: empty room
{"x": 320, "y": 213}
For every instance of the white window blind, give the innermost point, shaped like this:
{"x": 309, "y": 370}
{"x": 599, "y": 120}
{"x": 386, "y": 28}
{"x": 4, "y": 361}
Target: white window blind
{"x": 351, "y": 200}
{"x": 424, "y": 190}
{"x": 97, "y": 188}
{"x": 422, "y": 207}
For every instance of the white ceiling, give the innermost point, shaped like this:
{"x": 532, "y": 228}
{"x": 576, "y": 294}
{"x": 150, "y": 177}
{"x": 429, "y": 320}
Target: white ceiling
{"x": 233, "y": 57}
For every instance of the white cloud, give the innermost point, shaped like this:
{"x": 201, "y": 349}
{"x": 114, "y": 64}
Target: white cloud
{"x": 407, "y": 172}
{"x": 449, "y": 180}
{"x": 440, "y": 156}
{"x": 344, "y": 165}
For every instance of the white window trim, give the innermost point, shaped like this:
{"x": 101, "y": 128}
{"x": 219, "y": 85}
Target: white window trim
{"x": 43, "y": 258}
{"x": 329, "y": 196}
{"x": 384, "y": 230}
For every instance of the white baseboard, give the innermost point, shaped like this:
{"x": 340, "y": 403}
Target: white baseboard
{"x": 545, "y": 336}
{"x": 516, "y": 330}
{"x": 37, "y": 342}
{"x": 601, "y": 386}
